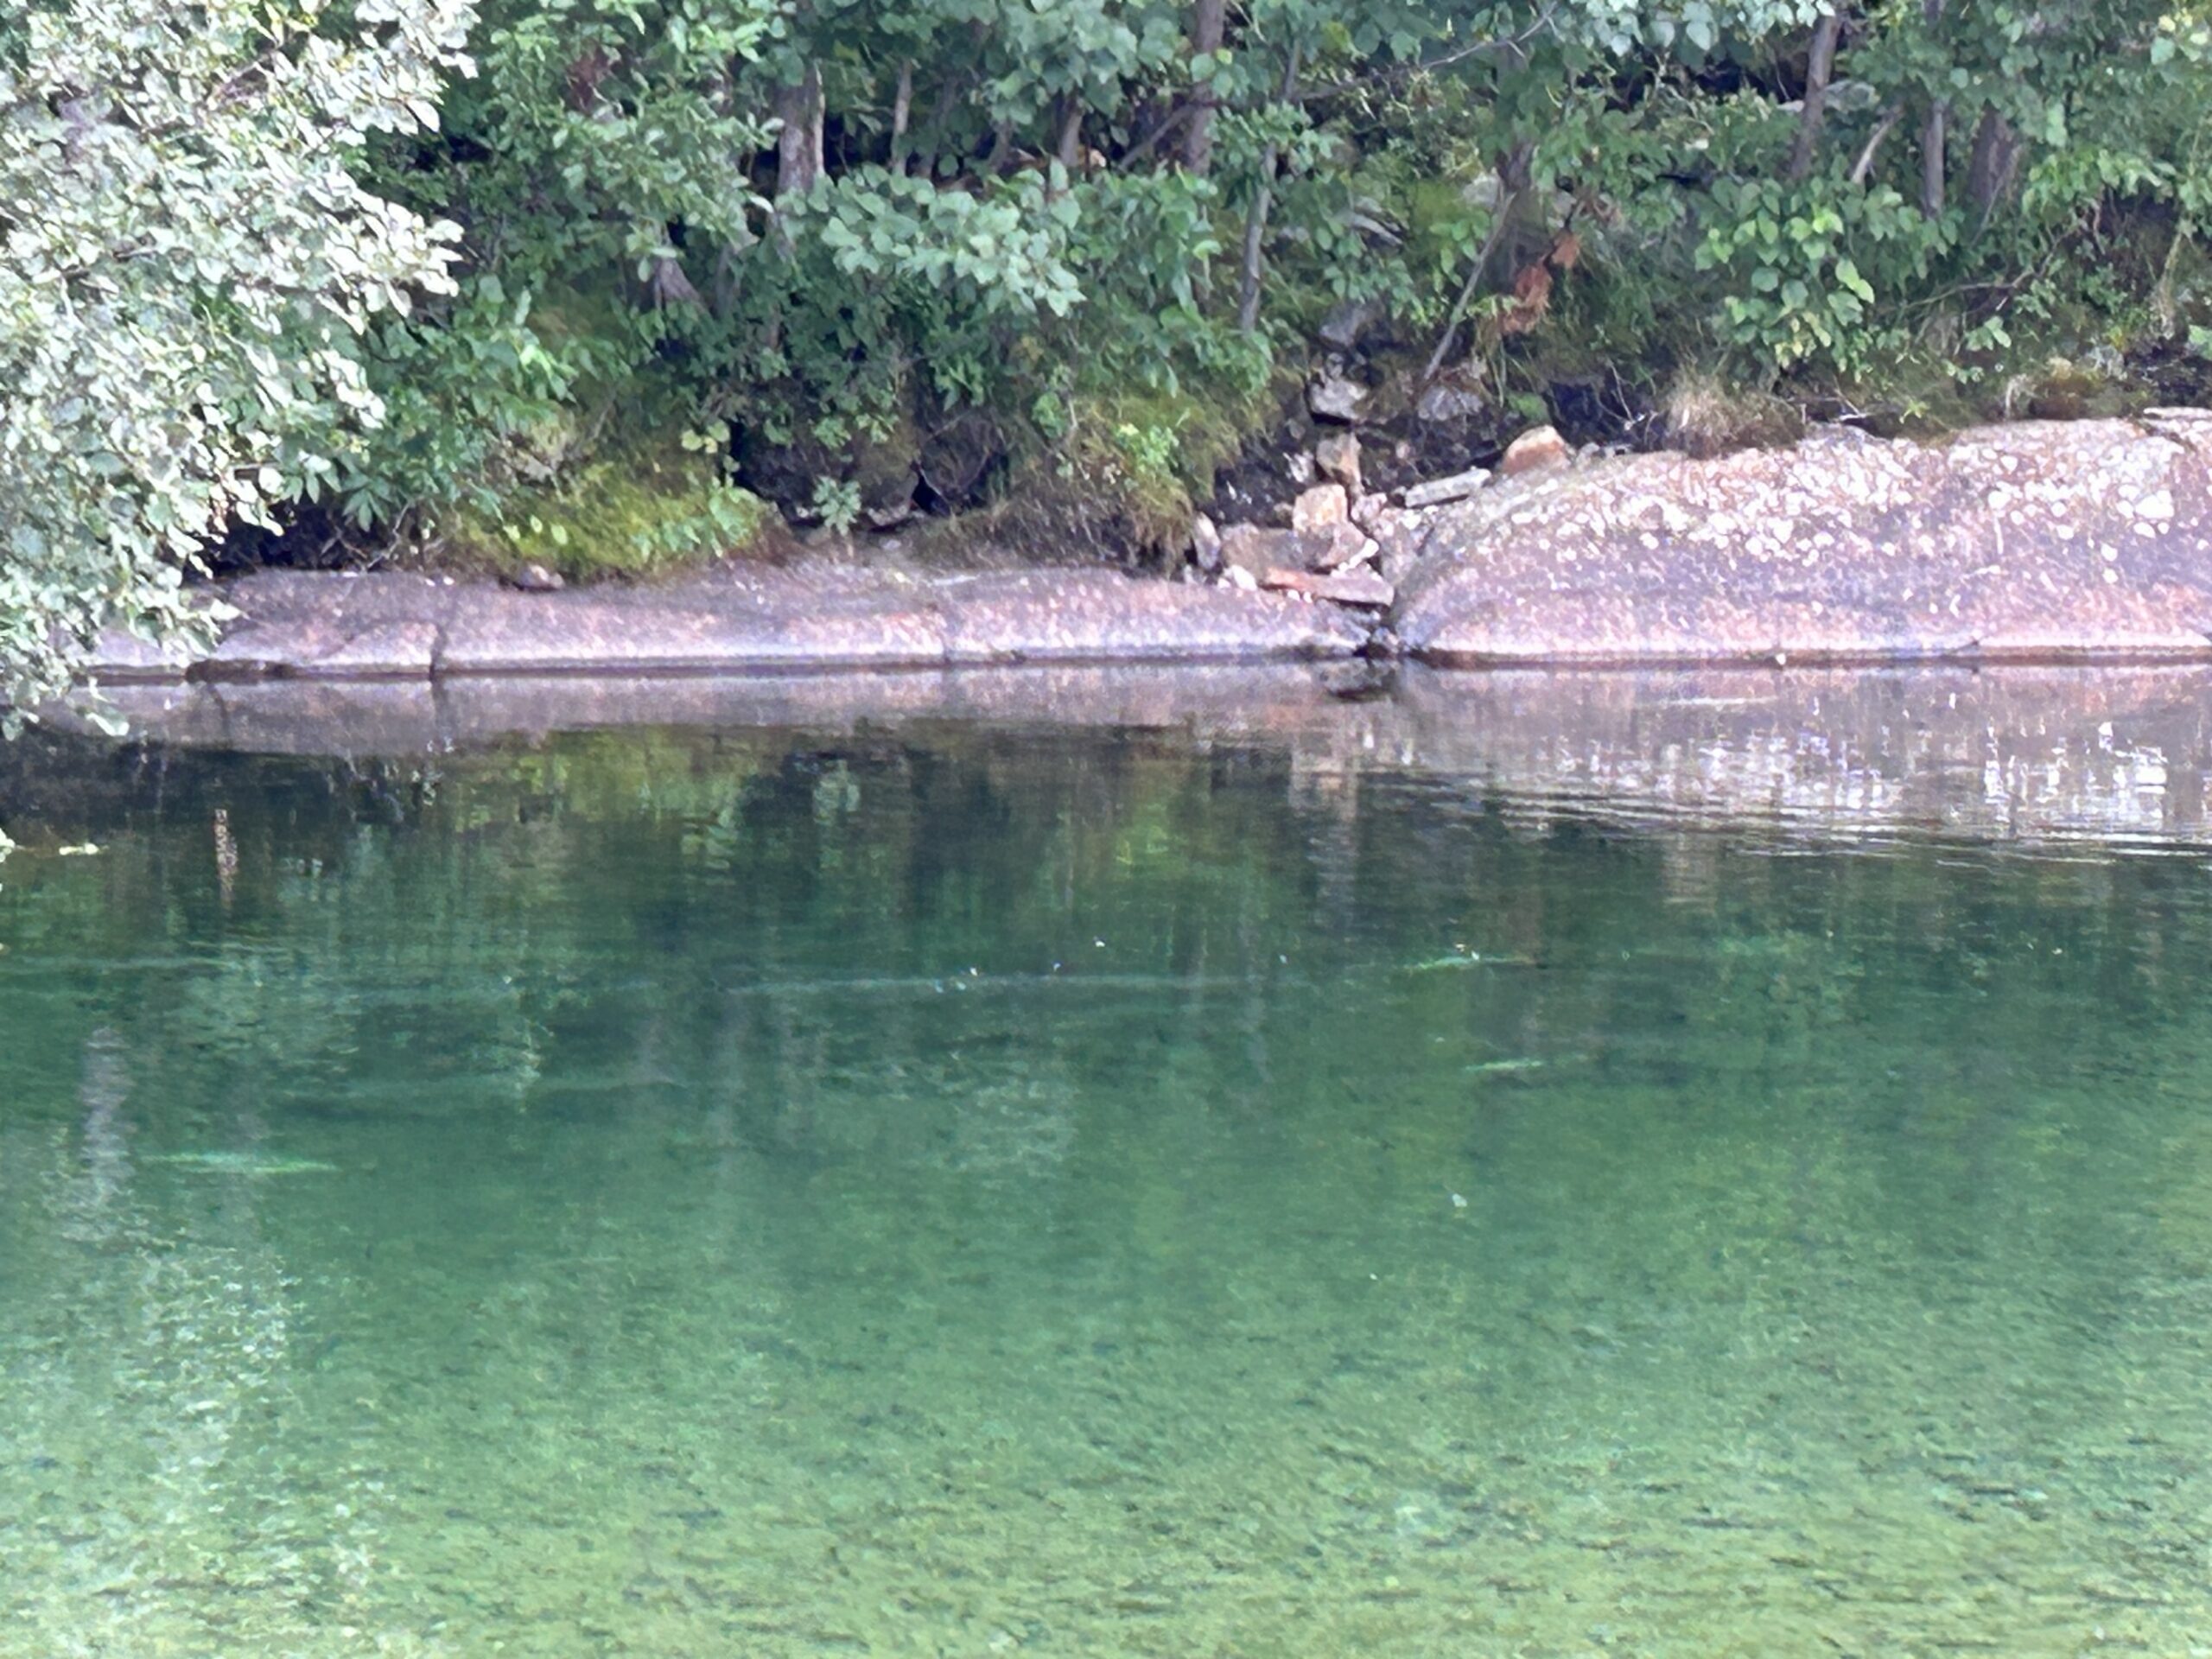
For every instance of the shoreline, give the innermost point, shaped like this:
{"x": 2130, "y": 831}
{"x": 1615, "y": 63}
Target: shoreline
{"x": 2037, "y": 544}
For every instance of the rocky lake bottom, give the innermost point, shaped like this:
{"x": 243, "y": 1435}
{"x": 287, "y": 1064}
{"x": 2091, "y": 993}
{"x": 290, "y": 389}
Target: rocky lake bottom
{"x": 1087, "y": 1193}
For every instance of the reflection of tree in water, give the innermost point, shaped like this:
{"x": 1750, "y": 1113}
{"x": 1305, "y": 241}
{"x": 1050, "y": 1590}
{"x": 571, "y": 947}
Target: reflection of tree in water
{"x": 151, "y": 1506}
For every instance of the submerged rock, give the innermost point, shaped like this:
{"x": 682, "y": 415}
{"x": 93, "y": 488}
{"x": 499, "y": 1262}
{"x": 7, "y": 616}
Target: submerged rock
{"x": 250, "y": 1165}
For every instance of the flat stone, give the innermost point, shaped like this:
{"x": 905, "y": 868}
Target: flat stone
{"x": 1320, "y": 507}
{"x": 1539, "y": 446}
{"x": 1255, "y": 549}
{"x": 1363, "y": 588}
{"x": 1453, "y": 487}
{"x": 744, "y": 618}
{"x": 1102, "y": 616}
{"x": 398, "y": 650}
{"x": 1337, "y": 456}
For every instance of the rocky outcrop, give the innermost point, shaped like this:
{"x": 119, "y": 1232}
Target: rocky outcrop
{"x": 2036, "y": 542}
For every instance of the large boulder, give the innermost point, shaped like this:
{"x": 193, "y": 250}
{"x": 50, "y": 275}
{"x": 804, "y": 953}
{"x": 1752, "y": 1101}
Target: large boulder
{"x": 2040, "y": 541}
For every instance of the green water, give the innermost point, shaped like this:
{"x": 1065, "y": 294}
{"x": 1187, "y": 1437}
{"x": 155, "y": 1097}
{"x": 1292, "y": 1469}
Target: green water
{"x": 710, "y": 1195}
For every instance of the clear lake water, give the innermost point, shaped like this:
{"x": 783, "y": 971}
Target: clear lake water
{"x": 991, "y": 1192}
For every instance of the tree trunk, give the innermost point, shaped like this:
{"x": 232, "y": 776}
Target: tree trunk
{"x": 1934, "y": 174}
{"x": 1255, "y": 222}
{"x": 1819, "y": 65}
{"x": 798, "y": 147}
{"x": 1935, "y": 133}
{"x": 902, "y": 112}
{"x": 1995, "y": 165}
{"x": 1071, "y": 144}
{"x": 1207, "y": 20}
{"x": 948, "y": 97}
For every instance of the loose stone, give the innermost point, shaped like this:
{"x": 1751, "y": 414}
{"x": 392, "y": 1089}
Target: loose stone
{"x": 1256, "y": 549}
{"x": 1337, "y": 456}
{"x": 1320, "y": 508}
{"x": 1437, "y": 490}
{"x": 1337, "y": 398}
{"x": 534, "y": 578}
{"x": 1205, "y": 543}
{"x": 1440, "y": 403}
{"x": 1539, "y": 446}
{"x": 1339, "y": 547}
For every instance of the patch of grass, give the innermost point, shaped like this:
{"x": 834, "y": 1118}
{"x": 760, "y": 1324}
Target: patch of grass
{"x": 1705, "y": 414}
{"x": 634, "y": 512}
{"x": 1147, "y": 457}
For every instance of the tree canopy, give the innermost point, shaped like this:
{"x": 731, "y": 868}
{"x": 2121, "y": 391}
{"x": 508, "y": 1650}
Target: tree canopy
{"x": 420, "y": 270}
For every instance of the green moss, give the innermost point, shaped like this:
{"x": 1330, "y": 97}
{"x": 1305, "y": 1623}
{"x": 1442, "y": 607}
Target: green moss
{"x": 1150, "y": 456}
{"x": 644, "y": 512}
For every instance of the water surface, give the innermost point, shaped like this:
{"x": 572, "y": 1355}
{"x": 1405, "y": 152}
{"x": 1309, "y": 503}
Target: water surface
{"x": 694, "y": 1194}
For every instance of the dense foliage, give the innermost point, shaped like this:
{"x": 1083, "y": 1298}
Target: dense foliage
{"x": 864, "y": 256}
{"x": 187, "y": 265}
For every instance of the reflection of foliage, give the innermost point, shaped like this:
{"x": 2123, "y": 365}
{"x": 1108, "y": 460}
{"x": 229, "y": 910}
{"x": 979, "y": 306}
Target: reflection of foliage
{"x": 949, "y": 1118}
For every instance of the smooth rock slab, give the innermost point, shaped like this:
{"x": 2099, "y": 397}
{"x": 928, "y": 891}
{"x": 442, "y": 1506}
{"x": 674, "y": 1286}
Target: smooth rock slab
{"x": 2032, "y": 542}
{"x": 739, "y": 619}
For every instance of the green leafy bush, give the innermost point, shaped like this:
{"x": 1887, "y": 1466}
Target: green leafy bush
{"x": 947, "y": 251}
{"x": 187, "y": 261}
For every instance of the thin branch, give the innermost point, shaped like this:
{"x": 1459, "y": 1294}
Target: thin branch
{"x": 1864, "y": 165}
{"x": 1173, "y": 119}
{"x": 1421, "y": 66}
{"x": 1467, "y": 289}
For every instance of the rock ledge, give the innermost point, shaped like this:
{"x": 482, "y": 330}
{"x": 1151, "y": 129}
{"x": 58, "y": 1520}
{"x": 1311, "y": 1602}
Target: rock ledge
{"x": 2040, "y": 542}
